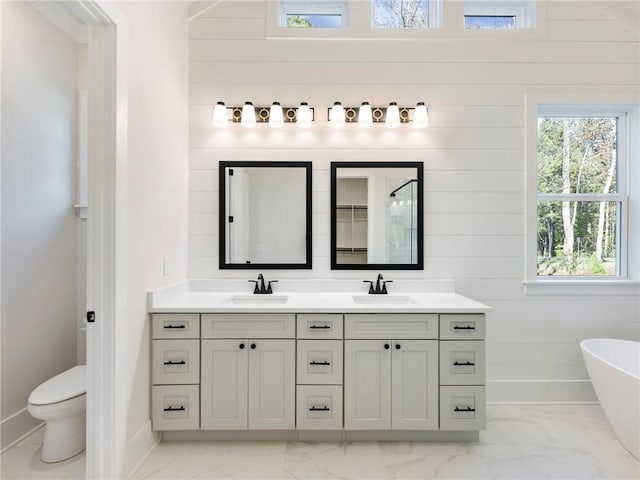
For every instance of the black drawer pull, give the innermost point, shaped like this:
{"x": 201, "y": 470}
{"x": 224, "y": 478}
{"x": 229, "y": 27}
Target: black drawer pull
{"x": 319, "y": 327}
{"x": 467, "y": 327}
{"x": 174, "y": 326}
{"x": 171, "y": 362}
{"x": 175, "y": 409}
{"x": 321, "y": 409}
{"x": 466, "y": 409}
{"x": 463, "y": 364}
{"x": 319, "y": 363}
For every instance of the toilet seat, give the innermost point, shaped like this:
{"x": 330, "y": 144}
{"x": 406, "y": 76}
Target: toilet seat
{"x": 69, "y": 384}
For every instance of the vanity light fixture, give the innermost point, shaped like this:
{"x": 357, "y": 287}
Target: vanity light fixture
{"x": 248, "y": 115}
{"x": 304, "y": 116}
{"x": 336, "y": 115}
{"x": 275, "y": 115}
{"x": 365, "y": 115}
{"x": 220, "y": 118}
{"x": 392, "y": 119}
{"x": 276, "y": 118}
{"x": 420, "y": 116}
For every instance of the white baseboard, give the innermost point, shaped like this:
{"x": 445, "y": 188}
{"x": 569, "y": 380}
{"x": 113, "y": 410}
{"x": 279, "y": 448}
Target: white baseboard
{"x": 540, "y": 392}
{"x": 17, "y": 427}
{"x": 139, "y": 447}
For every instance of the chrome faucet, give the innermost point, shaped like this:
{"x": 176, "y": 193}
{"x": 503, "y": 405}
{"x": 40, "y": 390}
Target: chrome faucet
{"x": 260, "y": 288}
{"x": 381, "y": 286}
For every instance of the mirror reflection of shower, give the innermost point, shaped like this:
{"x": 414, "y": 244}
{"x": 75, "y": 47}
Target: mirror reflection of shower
{"x": 401, "y": 219}
{"x": 376, "y": 215}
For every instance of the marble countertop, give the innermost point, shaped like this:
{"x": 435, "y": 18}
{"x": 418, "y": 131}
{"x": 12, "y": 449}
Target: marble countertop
{"x": 297, "y": 301}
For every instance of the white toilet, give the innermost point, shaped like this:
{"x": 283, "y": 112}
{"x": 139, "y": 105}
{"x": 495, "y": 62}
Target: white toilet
{"x": 61, "y": 401}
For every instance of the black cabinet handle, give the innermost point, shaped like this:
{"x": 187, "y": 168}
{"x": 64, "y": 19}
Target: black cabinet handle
{"x": 387, "y": 346}
{"x": 253, "y": 346}
{"x": 466, "y": 409}
{"x": 171, "y": 362}
{"x": 467, "y": 327}
{"x": 319, "y": 363}
{"x": 463, "y": 364}
{"x": 319, "y": 327}
{"x": 241, "y": 346}
{"x": 321, "y": 409}
{"x": 175, "y": 409}
{"x": 174, "y": 326}
{"x": 398, "y": 347}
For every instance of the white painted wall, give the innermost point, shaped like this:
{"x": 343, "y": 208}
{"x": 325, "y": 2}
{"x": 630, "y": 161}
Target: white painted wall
{"x": 156, "y": 196}
{"x": 39, "y": 295}
{"x": 473, "y": 154}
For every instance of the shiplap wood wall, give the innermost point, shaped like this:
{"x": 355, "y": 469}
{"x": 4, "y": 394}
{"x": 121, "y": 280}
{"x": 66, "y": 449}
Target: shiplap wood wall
{"x": 473, "y": 154}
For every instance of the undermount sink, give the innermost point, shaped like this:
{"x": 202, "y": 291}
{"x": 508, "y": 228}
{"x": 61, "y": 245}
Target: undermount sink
{"x": 258, "y": 299}
{"x": 383, "y": 299}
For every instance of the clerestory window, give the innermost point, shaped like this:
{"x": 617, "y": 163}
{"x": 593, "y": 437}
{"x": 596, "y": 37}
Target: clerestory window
{"x": 499, "y": 14}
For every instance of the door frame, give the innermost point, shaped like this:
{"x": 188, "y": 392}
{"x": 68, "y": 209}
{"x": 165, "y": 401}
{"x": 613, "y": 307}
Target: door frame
{"x": 106, "y": 233}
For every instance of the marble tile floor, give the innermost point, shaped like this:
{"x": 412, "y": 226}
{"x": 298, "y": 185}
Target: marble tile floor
{"x": 22, "y": 462}
{"x": 521, "y": 442}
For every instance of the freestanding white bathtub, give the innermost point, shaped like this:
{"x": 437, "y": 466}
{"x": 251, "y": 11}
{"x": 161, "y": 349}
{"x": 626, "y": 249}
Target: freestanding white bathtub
{"x": 614, "y": 369}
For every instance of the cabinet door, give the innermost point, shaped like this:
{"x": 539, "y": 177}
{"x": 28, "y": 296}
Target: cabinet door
{"x": 367, "y": 385}
{"x": 414, "y": 380}
{"x": 272, "y": 384}
{"x": 224, "y": 384}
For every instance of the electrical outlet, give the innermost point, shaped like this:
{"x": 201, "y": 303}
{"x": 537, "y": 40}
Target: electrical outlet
{"x": 166, "y": 266}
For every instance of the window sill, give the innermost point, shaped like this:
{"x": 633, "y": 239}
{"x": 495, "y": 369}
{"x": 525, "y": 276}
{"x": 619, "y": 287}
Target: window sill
{"x": 581, "y": 287}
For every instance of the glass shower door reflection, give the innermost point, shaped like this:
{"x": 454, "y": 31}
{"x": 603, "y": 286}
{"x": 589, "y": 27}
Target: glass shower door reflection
{"x": 402, "y": 223}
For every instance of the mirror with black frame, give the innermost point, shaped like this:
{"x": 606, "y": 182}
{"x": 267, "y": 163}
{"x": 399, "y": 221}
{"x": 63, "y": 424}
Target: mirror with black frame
{"x": 377, "y": 216}
{"x": 265, "y": 215}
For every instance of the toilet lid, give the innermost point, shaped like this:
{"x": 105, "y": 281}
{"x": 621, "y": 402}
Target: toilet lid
{"x": 64, "y": 386}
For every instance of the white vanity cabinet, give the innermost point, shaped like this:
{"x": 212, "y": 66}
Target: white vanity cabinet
{"x": 248, "y": 372}
{"x": 175, "y": 371}
{"x": 391, "y": 383}
{"x": 343, "y": 376}
{"x": 319, "y": 371}
{"x": 462, "y": 372}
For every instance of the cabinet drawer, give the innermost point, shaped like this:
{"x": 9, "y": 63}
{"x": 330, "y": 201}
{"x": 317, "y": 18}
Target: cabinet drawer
{"x": 319, "y": 407}
{"x": 320, "y": 362}
{"x": 462, "y": 362}
{"x": 175, "y": 325}
{"x": 319, "y": 326}
{"x": 248, "y": 325}
{"x": 175, "y": 407}
{"x": 175, "y": 362}
{"x": 462, "y": 408}
{"x": 462, "y": 327}
{"x": 391, "y": 325}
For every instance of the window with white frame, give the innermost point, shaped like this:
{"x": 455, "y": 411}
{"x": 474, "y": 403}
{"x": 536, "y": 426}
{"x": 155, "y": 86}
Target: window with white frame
{"x": 313, "y": 14}
{"x": 498, "y": 14}
{"x": 405, "y": 13}
{"x": 581, "y": 198}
